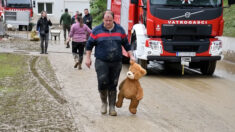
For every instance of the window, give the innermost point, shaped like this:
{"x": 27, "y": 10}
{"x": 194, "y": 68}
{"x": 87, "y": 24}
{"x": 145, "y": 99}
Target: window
{"x": 49, "y": 8}
{"x": 45, "y": 7}
{"x": 2, "y": 4}
{"x": 19, "y": 3}
{"x": 209, "y": 3}
{"x": 40, "y": 7}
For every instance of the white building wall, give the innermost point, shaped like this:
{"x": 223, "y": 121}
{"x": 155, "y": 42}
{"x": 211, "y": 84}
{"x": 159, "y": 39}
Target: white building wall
{"x": 59, "y": 6}
{"x": 74, "y": 5}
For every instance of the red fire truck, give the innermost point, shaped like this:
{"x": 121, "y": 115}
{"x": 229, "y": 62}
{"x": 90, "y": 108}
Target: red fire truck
{"x": 1, "y": 9}
{"x": 18, "y": 5}
{"x": 182, "y": 32}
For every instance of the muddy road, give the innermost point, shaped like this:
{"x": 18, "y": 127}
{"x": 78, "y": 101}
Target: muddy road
{"x": 171, "y": 103}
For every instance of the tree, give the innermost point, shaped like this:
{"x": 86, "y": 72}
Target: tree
{"x": 97, "y": 9}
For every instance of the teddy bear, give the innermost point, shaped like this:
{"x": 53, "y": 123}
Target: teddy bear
{"x": 34, "y": 36}
{"x": 130, "y": 87}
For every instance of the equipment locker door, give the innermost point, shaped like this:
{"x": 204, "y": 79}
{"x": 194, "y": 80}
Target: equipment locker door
{"x": 125, "y": 14}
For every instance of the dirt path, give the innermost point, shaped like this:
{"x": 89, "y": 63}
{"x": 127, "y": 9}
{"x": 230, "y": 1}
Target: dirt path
{"x": 190, "y": 103}
{"x": 171, "y": 103}
{"x": 31, "y": 99}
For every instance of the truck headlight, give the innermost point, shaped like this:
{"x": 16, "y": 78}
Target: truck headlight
{"x": 216, "y": 48}
{"x": 155, "y": 47}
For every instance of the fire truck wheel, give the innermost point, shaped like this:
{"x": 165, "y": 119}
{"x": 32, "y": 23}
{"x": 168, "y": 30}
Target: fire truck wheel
{"x": 30, "y": 27}
{"x": 20, "y": 27}
{"x": 208, "y": 67}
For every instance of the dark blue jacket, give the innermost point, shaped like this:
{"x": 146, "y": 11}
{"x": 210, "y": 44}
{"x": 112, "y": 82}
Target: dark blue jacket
{"x": 108, "y": 44}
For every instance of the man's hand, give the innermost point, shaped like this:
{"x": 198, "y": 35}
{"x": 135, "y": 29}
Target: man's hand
{"x": 132, "y": 58}
{"x": 67, "y": 41}
{"x": 88, "y": 62}
{"x": 88, "y": 58}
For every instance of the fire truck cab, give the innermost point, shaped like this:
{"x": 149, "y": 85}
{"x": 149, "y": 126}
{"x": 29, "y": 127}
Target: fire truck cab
{"x": 1, "y": 11}
{"x": 180, "y": 32}
{"x": 12, "y": 6}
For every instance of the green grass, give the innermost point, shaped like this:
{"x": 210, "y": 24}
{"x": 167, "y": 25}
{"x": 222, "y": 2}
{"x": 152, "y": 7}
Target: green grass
{"x": 10, "y": 65}
{"x": 7, "y": 90}
{"x": 229, "y": 17}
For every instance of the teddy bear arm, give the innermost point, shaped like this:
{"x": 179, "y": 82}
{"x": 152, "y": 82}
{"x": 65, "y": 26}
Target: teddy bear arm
{"x": 140, "y": 92}
{"x": 121, "y": 85}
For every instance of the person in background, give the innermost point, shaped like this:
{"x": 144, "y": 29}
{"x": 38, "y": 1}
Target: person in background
{"x": 87, "y": 19}
{"x": 43, "y": 28}
{"x": 108, "y": 39}
{"x": 78, "y": 34}
{"x": 75, "y": 17}
{"x": 66, "y": 19}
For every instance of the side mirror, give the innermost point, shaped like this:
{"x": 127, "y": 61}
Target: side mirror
{"x": 135, "y": 2}
{"x": 144, "y": 7}
{"x": 230, "y": 2}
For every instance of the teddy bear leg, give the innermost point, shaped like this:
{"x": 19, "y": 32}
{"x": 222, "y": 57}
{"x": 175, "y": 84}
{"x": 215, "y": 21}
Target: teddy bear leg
{"x": 133, "y": 106}
{"x": 120, "y": 100}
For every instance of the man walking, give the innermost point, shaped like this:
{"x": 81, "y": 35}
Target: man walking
{"x": 66, "y": 19}
{"x": 87, "y": 19}
{"x": 108, "y": 38}
{"x": 74, "y": 18}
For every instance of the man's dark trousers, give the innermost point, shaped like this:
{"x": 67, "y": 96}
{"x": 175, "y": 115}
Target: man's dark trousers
{"x": 107, "y": 74}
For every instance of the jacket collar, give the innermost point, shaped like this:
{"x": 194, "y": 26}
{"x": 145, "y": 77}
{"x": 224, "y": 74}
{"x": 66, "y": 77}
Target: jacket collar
{"x": 114, "y": 28}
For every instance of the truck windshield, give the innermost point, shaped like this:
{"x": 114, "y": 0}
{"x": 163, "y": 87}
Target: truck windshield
{"x": 1, "y": 3}
{"x": 190, "y": 3}
{"x": 18, "y": 3}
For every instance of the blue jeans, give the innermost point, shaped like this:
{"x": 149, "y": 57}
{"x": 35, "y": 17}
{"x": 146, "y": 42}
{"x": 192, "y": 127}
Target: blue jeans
{"x": 107, "y": 74}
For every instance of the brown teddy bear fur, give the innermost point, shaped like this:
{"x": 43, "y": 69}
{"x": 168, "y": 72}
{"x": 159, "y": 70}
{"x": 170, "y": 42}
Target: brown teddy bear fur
{"x": 130, "y": 88}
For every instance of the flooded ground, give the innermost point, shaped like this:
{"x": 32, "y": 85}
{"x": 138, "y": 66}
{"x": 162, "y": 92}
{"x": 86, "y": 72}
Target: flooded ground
{"x": 171, "y": 103}
{"x": 31, "y": 100}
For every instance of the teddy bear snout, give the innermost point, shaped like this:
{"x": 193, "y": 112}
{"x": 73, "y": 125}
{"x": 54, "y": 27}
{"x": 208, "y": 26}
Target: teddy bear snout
{"x": 130, "y": 75}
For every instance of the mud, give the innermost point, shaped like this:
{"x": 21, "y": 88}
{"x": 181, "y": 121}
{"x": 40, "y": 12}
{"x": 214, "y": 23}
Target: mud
{"x": 229, "y": 55}
{"x": 20, "y": 44}
{"x": 30, "y": 107}
{"x": 51, "y": 90}
{"x": 228, "y": 48}
{"x": 171, "y": 103}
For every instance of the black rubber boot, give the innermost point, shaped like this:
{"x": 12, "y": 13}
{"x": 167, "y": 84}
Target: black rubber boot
{"x": 80, "y": 62}
{"x": 75, "y": 56}
{"x": 42, "y": 50}
{"x": 112, "y": 102}
{"x": 45, "y": 50}
{"x": 103, "y": 97}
